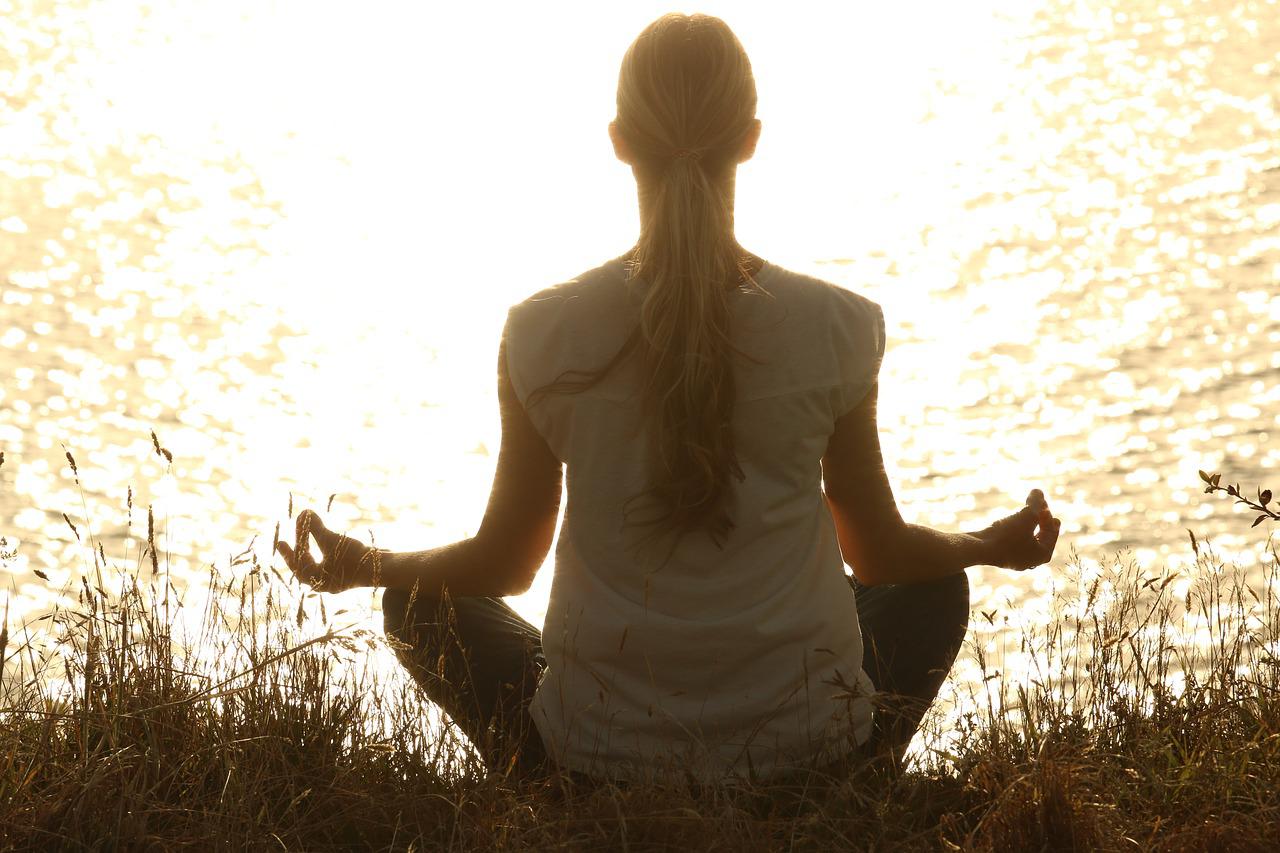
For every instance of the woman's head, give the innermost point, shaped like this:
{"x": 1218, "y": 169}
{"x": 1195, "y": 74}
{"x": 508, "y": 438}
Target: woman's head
{"x": 685, "y": 86}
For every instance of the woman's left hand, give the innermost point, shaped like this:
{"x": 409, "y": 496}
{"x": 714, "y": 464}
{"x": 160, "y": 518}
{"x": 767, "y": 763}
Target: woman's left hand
{"x": 347, "y": 562}
{"x": 1025, "y": 539}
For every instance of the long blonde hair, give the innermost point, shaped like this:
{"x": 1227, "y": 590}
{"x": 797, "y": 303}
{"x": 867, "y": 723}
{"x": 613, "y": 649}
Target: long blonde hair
{"x": 686, "y": 106}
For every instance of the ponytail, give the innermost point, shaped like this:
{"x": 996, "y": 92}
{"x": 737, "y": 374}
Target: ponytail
{"x": 688, "y": 259}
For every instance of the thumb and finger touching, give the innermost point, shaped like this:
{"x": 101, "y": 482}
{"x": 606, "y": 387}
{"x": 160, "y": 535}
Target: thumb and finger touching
{"x": 1049, "y": 527}
{"x": 1048, "y": 537}
{"x": 340, "y": 555}
{"x": 1036, "y": 501}
{"x": 300, "y": 562}
{"x": 309, "y": 522}
{"x": 1030, "y": 534}
{"x": 298, "y": 556}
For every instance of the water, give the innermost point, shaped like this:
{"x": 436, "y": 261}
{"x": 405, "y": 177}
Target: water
{"x": 283, "y": 238}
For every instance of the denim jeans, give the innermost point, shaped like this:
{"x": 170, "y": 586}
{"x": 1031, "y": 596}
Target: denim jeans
{"x": 480, "y": 661}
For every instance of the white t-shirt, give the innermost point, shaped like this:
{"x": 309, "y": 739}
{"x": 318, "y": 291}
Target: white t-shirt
{"x": 746, "y": 660}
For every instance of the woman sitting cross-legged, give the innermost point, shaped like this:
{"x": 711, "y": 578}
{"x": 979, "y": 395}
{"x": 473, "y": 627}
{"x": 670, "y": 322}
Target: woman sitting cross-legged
{"x": 713, "y": 416}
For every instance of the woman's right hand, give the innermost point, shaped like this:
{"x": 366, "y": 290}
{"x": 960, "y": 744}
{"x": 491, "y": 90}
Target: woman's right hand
{"x": 1025, "y": 539}
{"x": 347, "y": 562}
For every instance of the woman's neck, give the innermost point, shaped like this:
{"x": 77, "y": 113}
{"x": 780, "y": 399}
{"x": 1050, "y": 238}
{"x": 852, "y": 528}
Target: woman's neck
{"x": 644, "y": 194}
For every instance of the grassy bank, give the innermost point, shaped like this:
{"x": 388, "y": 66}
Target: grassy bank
{"x": 1147, "y": 716}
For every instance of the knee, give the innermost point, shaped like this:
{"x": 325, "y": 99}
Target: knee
{"x": 405, "y": 614}
{"x": 957, "y": 606}
{"x": 949, "y": 601}
{"x": 957, "y": 589}
{"x": 395, "y": 606}
{"x": 960, "y": 588}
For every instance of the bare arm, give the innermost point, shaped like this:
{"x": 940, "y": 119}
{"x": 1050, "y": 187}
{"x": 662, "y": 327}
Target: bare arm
{"x": 501, "y": 559}
{"x": 882, "y": 548}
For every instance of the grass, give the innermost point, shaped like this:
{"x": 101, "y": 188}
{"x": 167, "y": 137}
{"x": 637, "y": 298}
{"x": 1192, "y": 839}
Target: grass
{"x": 1146, "y": 716}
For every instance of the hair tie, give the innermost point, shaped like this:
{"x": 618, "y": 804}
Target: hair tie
{"x": 683, "y": 153}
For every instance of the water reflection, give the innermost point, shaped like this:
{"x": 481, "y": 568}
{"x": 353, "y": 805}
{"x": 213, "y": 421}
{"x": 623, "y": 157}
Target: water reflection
{"x": 290, "y": 258}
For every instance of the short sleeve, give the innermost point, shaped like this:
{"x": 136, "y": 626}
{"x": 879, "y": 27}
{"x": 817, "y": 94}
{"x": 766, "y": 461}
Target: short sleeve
{"x": 513, "y": 344}
{"x": 534, "y": 341}
{"x": 857, "y": 334}
{"x": 530, "y": 341}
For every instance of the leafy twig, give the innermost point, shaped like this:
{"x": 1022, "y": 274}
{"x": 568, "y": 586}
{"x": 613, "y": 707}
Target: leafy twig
{"x": 1261, "y": 507}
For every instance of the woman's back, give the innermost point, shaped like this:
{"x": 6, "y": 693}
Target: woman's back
{"x": 699, "y": 651}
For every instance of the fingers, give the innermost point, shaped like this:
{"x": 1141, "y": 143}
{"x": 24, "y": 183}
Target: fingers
{"x": 1036, "y": 501}
{"x": 1048, "y": 535}
{"x": 335, "y": 567}
{"x": 309, "y": 522}
{"x": 299, "y": 562}
{"x": 1034, "y": 532}
{"x": 1049, "y": 526}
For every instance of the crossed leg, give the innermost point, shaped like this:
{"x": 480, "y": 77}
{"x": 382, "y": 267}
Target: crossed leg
{"x": 911, "y": 634}
{"x": 480, "y": 662}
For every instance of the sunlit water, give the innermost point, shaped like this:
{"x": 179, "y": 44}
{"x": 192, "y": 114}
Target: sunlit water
{"x": 283, "y": 236}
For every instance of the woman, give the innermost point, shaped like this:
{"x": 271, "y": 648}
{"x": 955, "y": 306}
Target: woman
{"x": 716, "y": 417}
